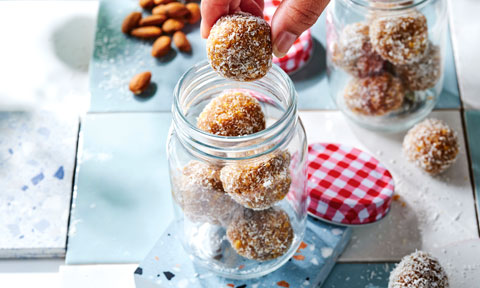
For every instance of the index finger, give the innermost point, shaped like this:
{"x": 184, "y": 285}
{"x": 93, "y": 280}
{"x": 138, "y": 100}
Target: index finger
{"x": 212, "y": 10}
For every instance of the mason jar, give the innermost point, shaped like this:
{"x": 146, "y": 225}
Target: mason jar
{"x": 386, "y": 59}
{"x": 240, "y": 202}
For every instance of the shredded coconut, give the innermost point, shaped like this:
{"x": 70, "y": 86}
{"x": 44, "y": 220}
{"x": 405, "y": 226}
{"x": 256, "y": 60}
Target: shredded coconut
{"x": 375, "y": 95}
{"x": 401, "y": 39}
{"x": 354, "y": 52}
{"x": 418, "y": 270}
{"x": 424, "y": 74}
{"x": 240, "y": 47}
{"x": 200, "y": 194}
{"x": 261, "y": 235}
{"x": 233, "y": 113}
{"x": 432, "y": 145}
{"x": 260, "y": 183}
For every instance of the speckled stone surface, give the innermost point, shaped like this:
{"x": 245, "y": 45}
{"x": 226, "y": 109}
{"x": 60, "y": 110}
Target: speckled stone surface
{"x": 117, "y": 58}
{"x": 37, "y": 158}
{"x": 122, "y": 200}
{"x": 167, "y": 264}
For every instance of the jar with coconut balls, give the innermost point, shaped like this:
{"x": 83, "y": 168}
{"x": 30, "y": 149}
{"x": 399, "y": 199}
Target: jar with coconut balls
{"x": 237, "y": 153}
{"x": 385, "y": 59}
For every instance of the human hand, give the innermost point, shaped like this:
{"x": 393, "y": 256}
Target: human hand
{"x": 214, "y": 9}
{"x": 291, "y": 19}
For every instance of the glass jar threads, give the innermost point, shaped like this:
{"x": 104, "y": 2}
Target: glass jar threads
{"x": 237, "y": 153}
{"x": 385, "y": 59}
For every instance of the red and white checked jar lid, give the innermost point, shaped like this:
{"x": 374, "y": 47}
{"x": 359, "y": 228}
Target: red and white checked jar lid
{"x": 346, "y": 185}
{"x": 301, "y": 50}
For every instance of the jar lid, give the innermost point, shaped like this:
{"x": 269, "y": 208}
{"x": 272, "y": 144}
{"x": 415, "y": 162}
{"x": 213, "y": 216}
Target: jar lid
{"x": 301, "y": 50}
{"x": 346, "y": 185}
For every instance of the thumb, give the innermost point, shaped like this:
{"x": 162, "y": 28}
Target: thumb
{"x": 291, "y": 19}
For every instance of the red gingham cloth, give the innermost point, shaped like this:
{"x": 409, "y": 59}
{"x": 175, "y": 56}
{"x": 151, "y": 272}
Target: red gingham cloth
{"x": 301, "y": 50}
{"x": 346, "y": 185}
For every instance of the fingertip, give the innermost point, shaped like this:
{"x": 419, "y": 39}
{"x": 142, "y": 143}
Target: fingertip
{"x": 211, "y": 10}
{"x": 277, "y": 53}
{"x": 252, "y": 7}
{"x": 204, "y": 31}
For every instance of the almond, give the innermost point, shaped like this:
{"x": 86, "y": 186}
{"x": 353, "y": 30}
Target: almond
{"x": 172, "y": 25}
{"x": 181, "y": 41}
{"x": 153, "y": 20}
{"x": 131, "y": 22}
{"x": 176, "y": 10}
{"x": 194, "y": 13}
{"x": 160, "y": 10}
{"x": 140, "y": 82}
{"x": 146, "y": 32}
{"x": 161, "y": 46}
{"x": 160, "y": 2}
{"x": 147, "y": 4}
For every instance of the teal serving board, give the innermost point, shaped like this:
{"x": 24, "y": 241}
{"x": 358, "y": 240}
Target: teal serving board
{"x": 472, "y": 121}
{"x": 359, "y": 275}
{"x": 117, "y": 58}
{"x": 167, "y": 264}
{"x": 122, "y": 200}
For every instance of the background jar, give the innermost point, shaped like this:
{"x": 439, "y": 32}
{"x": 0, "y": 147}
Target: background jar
{"x": 203, "y": 211}
{"x": 386, "y": 59}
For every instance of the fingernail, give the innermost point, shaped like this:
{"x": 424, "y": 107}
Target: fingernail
{"x": 283, "y": 43}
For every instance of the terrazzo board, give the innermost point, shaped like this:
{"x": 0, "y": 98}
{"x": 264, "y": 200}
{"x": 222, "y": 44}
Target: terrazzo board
{"x": 37, "y": 158}
{"x": 117, "y": 58}
{"x": 472, "y": 121}
{"x": 431, "y": 211}
{"x": 167, "y": 264}
{"x": 122, "y": 201}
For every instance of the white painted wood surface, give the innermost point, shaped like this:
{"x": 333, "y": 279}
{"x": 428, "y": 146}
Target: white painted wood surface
{"x": 437, "y": 210}
{"x": 465, "y": 27}
{"x": 45, "y": 61}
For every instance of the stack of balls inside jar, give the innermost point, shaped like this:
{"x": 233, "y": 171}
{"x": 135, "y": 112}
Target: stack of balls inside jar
{"x": 239, "y": 196}
{"x": 390, "y": 58}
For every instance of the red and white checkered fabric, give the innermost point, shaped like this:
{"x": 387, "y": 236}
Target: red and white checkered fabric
{"x": 346, "y": 185}
{"x": 301, "y": 50}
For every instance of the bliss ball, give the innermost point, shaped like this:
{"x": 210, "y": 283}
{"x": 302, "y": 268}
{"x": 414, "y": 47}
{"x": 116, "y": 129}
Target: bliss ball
{"x": 401, "y": 39}
{"x": 260, "y": 183}
{"x": 240, "y": 47}
{"x": 431, "y": 145}
{"x": 419, "y": 270}
{"x": 260, "y": 235}
{"x": 354, "y": 53}
{"x": 233, "y": 113}
{"x": 200, "y": 194}
{"x": 424, "y": 74}
{"x": 375, "y": 95}
{"x": 380, "y": 7}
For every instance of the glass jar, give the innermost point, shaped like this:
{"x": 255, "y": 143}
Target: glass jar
{"x": 385, "y": 59}
{"x": 222, "y": 231}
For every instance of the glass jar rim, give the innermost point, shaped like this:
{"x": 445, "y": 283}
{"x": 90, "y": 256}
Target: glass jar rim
{"x": 201, "y": 137}
{"x": 399, "y": 5}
